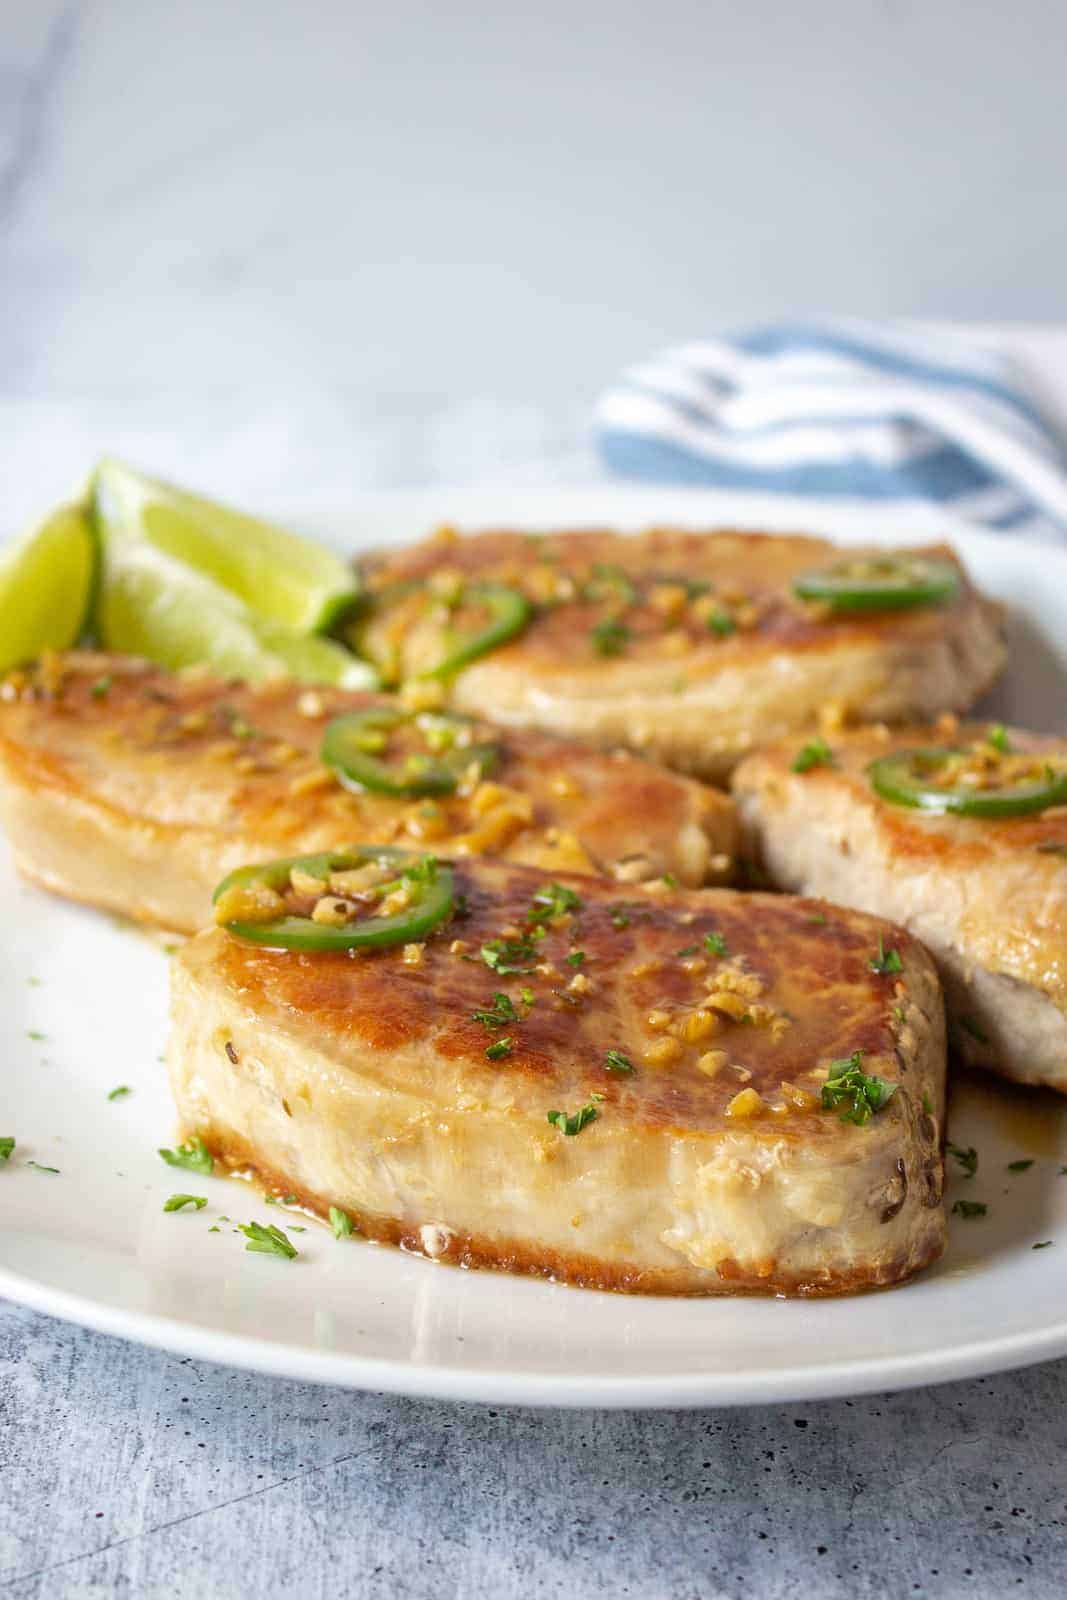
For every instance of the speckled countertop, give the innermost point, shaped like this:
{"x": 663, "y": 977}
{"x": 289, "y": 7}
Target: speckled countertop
{"x": 127, "y": 1472}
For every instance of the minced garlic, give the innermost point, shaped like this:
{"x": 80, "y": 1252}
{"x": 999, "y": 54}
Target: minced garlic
{"x": 745, "y": 1104}
{"x": 662, "y": 1052}
{"x": 331, "y": 911}
{"x": 731, "y": 1004}
{"x": 306, "y": 882}
{"x": 249, "y": 902}
{"x": 696, "y": 1027}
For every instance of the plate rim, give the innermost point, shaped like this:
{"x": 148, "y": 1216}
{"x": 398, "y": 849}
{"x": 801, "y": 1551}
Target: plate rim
{"x": 898, "y": 522}
{"x": 436, "y": 1381}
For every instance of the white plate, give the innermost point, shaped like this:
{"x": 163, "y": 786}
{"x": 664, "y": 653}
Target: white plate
{"x": 92, "y": 1244}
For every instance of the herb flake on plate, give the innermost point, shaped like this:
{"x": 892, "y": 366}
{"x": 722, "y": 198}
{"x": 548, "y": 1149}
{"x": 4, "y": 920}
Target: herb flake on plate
{"x": 192, "y": 1155}
{"x": 268, "y": 1241}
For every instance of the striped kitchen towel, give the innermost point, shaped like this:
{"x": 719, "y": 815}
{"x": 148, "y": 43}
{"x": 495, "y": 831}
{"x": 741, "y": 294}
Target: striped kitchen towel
{"x": 837, "y": 408}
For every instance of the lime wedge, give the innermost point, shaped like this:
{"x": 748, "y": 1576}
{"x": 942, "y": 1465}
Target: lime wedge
{"x": 45, "y": 586}
{"x": 279, "y": 576}
{"x": 151, "y": 604}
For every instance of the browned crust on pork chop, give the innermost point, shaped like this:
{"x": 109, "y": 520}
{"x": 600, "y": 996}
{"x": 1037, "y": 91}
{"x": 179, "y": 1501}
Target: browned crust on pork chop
{"x": 364, "y": 1083}
{"x": 134, "y": 789}
{"x": 693, "y": 697}
{"x": 988, "y": 897}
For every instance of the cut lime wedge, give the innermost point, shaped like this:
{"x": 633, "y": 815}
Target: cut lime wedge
{"x": 277, "y": 575}
{"x": 45, "y": 586}
{"x": 151, "y": 604}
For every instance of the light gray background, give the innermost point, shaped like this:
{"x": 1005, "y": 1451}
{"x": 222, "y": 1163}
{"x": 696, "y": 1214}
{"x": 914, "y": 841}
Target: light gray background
{"x": 288, "y": 251}
{"x": 328, "y": 213}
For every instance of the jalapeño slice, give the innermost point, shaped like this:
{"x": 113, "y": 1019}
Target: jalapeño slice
{"x": 374, "y": 635}
{"x": 879, "y": 583}
{"x": 508, "y": 613}
{"x": 911, "y": 778}
{"x": 356, "y": 748}
{"x": 430, "y": 885}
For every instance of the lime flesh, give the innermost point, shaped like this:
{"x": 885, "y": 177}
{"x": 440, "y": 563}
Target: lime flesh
{"x": 45, "y": 586}
{"x": 151, "y": 604}
{"x": 279, "y": 577}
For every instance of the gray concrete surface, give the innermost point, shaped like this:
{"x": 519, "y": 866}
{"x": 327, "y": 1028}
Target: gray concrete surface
{"x": 124, "y": 1472}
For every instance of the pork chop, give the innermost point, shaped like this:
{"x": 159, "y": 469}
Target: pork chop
{"x": 987, "y": 896}
{"x": 135, "y": 790}
{"x": 691, "y": 647}
{"x": 643, "y": 1092}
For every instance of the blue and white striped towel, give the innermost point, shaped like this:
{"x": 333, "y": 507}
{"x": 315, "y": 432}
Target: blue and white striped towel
{"x": 837, "y": 408}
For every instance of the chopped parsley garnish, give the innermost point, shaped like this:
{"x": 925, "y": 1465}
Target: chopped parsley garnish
{"x": 193, "y": 1154}
{"x": 1019, "y": 1166}
{"x": 500, "y": 1012}
{"x": 552, "y": 900}
{"x": 619, "y": 918}
{"x": 178, "y": 1202}
{"x": 575, "y": 1122}
{"x": 715, "y": 943}
{"x": 37, "y": 1167}
{"x": 526, "y": 996}
{"x": 38, "y": 1038}
{"x": 610, "y": 637}
{"x": 898, "y": 1014}
{"x": 969, "y": 1209}
{"x": 886, "y": 961}
{"x": 618, "y": 1061}
{"x": 669, "y": 880}
{"x": 998, "y": 738}
{"x": 422, "y": 870}
{"x": 505, "y": 955}
{"x": 861, "y": 1094}
{"x": 816, "y": 753}
{"x": 928, "y": 1104}
{"x": 1042, "y": 1245}
{"x": 100, "y": 688}
{"x": 687, "y": 950}
{"x": 340, "y": 1222}
{"x": 818, "y": 917}
{"x": 722, "y": 623}
{"x": 267, "y": 1241}
{"x": 575, "y": 958}
{"x": 968, "y": 1159}
{"x": 120, "y": 1092}
{"x": 7, "y": 1144}
{"x": 969, "y": 1024}
{"x": 500, "y": 1048}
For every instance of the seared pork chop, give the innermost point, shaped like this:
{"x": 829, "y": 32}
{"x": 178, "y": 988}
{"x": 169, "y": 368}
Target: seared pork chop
{"x": 691, "y": 647}
{"x": 655, "y": 1090}
{"x": 135, "y": 790}
{"x": 987, "y": 895}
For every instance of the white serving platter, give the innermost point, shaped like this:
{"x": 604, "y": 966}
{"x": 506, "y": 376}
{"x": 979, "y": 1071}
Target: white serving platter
{"x": 83, "y": 1009}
